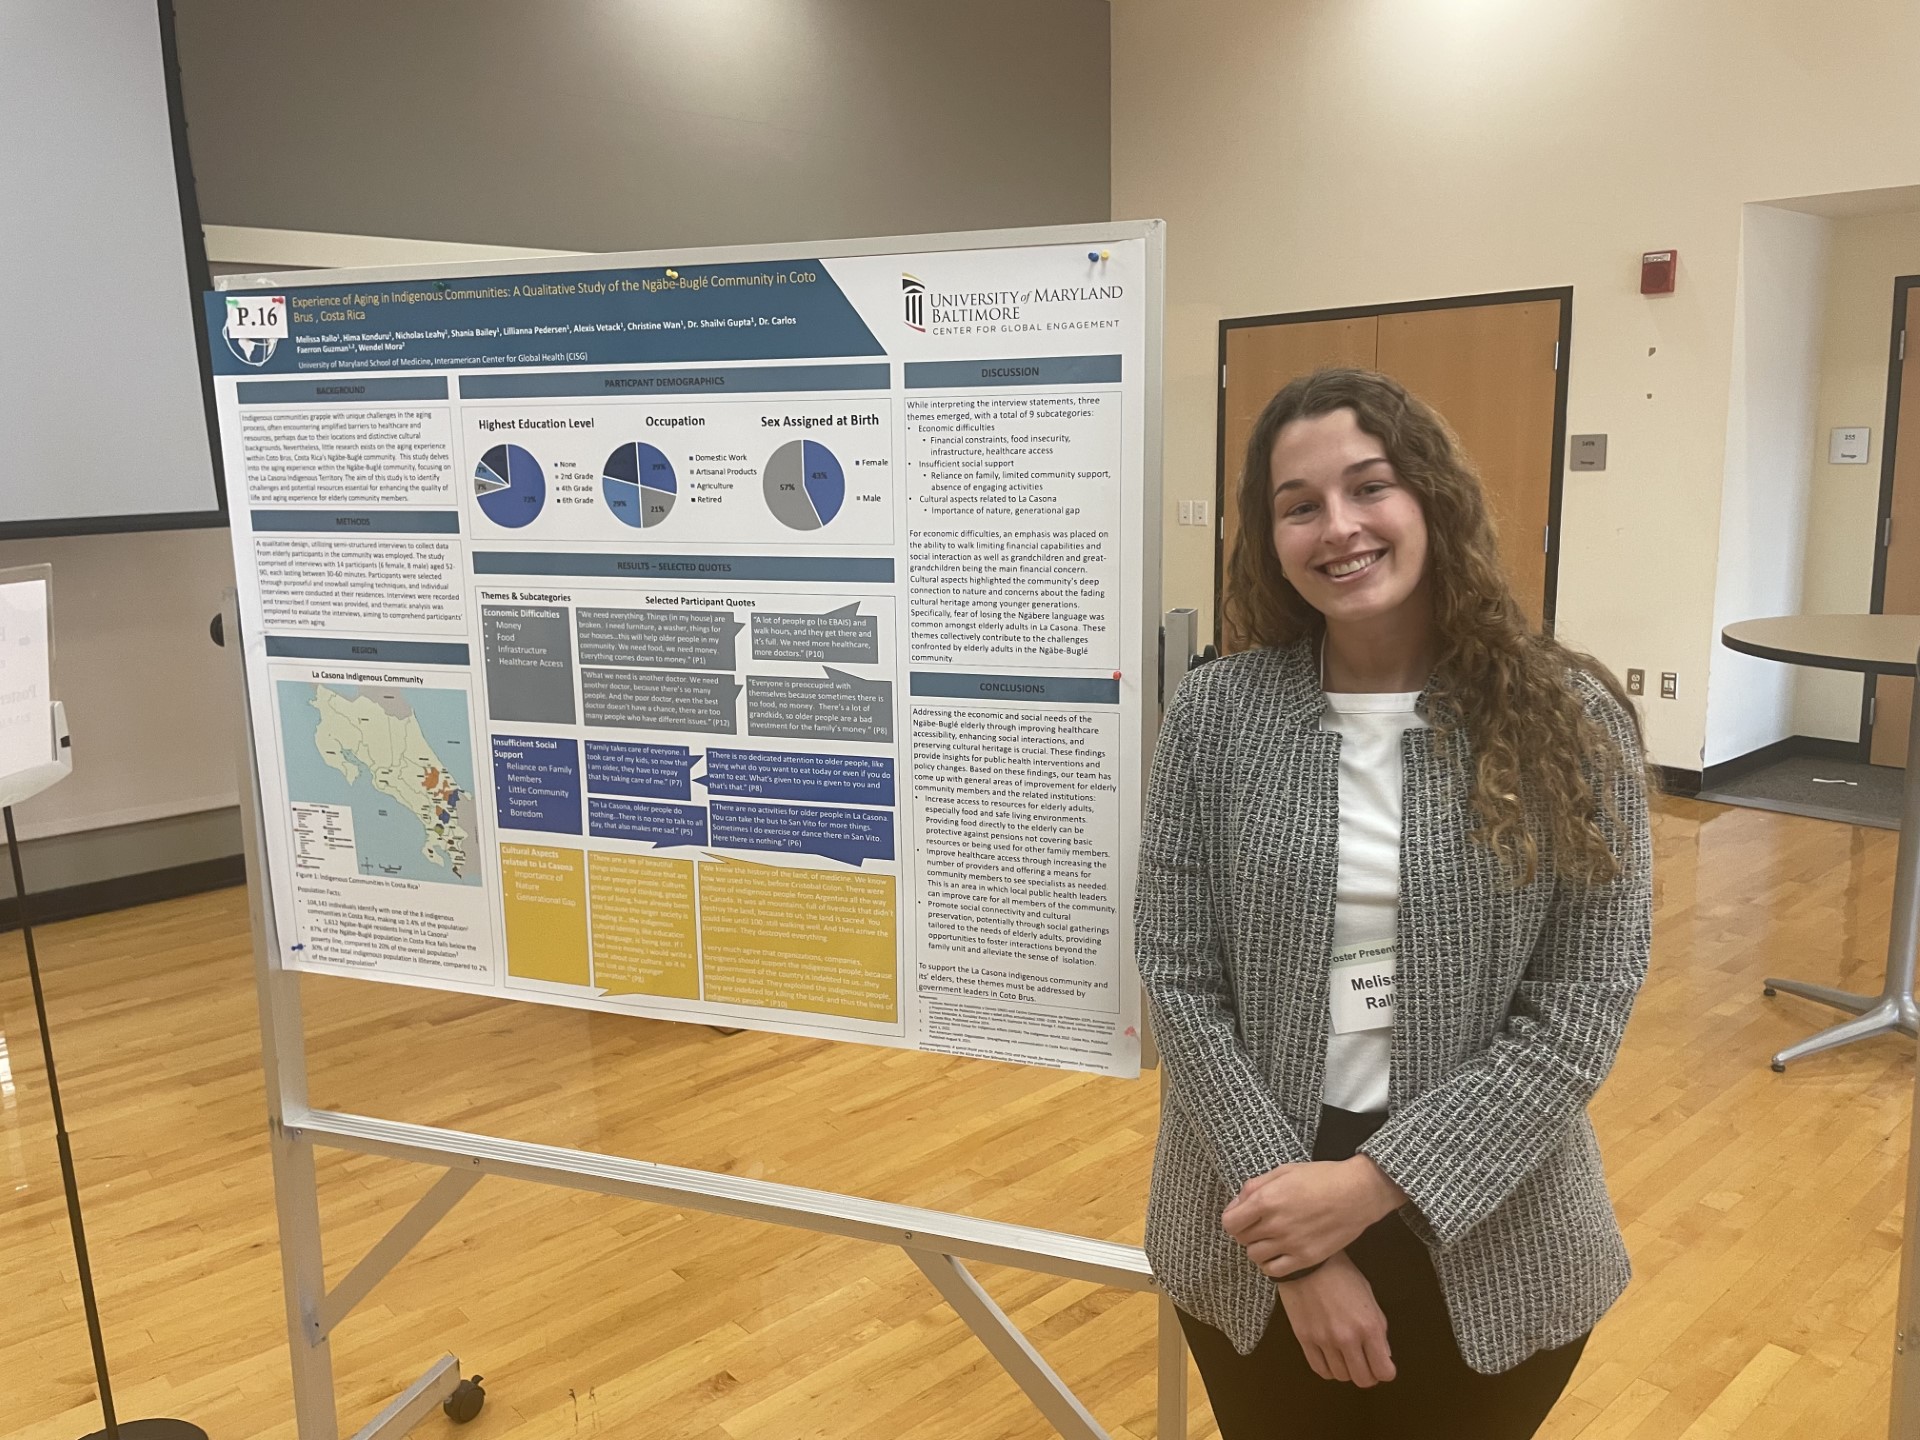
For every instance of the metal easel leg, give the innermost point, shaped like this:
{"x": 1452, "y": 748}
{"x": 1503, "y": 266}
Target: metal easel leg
{"x": 1011, "y": 1348}
{"x": 296, "y": 1194}
{"x": 411, "y": 1229}
{"x": 415, "y": 1403}
{"x": 310, "y": 1315}
{"x": 296, "y": 1197}
{"x": 1173, "y": 1372}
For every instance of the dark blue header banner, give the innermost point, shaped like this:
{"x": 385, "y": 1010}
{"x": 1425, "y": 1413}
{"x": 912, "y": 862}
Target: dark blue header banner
{"x": 785, "y": 309}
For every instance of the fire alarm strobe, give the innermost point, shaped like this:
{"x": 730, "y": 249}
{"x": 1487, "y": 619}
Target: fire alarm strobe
{"x": 1656, "y": 271}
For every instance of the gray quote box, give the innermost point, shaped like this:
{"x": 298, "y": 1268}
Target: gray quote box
{"x": 839, "y": 637}
{"x": 529, "y": 658}
{"x": 681, "y": 639}
{"x": 837, "y": 707}
{"x": 660, "y": 700}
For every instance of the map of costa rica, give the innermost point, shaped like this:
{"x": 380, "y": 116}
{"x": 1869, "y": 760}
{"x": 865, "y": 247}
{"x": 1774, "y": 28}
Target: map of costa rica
{"x": 359, "y": 746}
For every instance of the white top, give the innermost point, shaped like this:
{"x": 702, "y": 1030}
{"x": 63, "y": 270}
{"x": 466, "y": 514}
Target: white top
{"x": 1367, "y": 896}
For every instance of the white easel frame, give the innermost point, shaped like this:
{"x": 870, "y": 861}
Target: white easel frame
{"x": 938, "y": 1243}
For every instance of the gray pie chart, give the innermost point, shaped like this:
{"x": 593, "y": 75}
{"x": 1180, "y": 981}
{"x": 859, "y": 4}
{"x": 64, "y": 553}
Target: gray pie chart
{"x": 804, "y": 485}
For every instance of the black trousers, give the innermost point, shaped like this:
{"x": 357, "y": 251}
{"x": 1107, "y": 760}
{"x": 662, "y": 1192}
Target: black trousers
{"x": 1273, "y": 1393}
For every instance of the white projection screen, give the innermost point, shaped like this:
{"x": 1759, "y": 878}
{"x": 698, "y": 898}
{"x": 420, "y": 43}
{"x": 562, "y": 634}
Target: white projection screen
{"x": 103, "y": 405}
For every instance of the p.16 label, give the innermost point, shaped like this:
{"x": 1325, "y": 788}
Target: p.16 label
{"x": 257, "y": 317}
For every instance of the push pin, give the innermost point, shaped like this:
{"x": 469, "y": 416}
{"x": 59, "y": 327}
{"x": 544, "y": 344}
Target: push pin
{"x": 1093, "y": 255}
{"x": 673, "y": 274}
{"x": 1104, "y": 254}
{"x": 1116, "y": 674}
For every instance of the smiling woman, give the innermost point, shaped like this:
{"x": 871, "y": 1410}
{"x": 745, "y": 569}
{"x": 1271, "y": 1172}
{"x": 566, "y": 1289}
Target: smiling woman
{"x": 1394, "y": 908}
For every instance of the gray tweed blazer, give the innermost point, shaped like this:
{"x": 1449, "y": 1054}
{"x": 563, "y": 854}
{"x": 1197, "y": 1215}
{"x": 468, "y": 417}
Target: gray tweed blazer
{"x": 1510, "y": 1004}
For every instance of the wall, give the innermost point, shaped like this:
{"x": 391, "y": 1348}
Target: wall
{"x": 1869, "y": 251}
{"x": 629, "y": 124}
{"x": 153, "y": 709}
{"x": 1779, "y": 319}
{"x": 1337, "y": 152}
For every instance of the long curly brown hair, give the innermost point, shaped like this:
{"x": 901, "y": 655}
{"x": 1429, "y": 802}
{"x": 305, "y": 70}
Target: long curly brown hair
{"x": 1541, "y": 765}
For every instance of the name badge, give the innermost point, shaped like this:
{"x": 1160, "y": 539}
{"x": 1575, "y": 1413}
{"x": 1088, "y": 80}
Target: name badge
{"x": 1362, "y": 987}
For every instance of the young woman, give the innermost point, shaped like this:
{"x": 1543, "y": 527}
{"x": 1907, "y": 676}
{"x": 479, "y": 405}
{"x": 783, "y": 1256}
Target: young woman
{"x": 1395, "y": 903}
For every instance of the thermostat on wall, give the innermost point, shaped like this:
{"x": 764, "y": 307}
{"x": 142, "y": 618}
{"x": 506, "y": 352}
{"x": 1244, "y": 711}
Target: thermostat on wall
{"x": 1589, "y": 452}
{"x": 1847, "y": 445}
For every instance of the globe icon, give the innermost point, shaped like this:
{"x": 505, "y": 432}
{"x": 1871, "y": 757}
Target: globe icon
{"x": 247, "y": 351}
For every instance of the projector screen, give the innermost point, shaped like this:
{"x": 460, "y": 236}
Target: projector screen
{"x": 104, "y": 413}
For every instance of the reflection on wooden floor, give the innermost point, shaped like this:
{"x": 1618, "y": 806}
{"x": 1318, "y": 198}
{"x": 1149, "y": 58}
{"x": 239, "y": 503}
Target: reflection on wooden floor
{"x": 1763, "y": 1211}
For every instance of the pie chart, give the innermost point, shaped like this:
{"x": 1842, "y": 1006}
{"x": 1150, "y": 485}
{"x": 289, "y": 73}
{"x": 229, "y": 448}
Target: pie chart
{"x": 804, "y": 485}
{"x": 510, "y": 486}
{"x": 637, "y": 482}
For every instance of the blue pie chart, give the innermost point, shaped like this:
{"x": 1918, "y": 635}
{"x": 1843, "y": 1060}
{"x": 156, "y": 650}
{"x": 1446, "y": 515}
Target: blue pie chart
{"x": 510, "y": 486}
{"x": 638, "y": 484}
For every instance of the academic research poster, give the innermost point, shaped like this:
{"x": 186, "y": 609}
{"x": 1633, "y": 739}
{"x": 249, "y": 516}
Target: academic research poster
{"x": 762, "y": 640}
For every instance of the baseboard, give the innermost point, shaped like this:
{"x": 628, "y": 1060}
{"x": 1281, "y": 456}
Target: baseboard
{"x": 1674, "y": 781}
{"x": 1714, "y": 776}
{"x": 98, "y": 897}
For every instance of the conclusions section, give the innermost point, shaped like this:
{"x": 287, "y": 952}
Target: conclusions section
{"x": 1017, "y": 837}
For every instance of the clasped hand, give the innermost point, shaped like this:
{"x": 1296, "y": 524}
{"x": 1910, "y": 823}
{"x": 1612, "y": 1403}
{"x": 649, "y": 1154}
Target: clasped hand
{"x": 1298, "y": 1215}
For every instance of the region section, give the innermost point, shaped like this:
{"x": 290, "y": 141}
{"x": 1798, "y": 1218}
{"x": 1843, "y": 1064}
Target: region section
{"x": 399, "y": 759}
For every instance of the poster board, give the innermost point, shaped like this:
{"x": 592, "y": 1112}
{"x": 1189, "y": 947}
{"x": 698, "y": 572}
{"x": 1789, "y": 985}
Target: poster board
{"x": 26, "y": 669}
{"x": 761, "y": 637}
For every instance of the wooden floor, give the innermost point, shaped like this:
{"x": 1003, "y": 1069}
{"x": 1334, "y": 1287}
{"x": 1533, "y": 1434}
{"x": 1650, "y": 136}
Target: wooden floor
{"x": 1763, "y": 1211}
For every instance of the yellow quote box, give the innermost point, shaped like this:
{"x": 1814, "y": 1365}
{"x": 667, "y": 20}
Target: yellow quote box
{"x": 807, "y": 940}
{"x": 645, "y": 940}
{"x": 544, "y": 893}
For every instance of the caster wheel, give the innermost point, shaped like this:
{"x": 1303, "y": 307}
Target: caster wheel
{"x": 1778, "y": 1068}
{"x": 1768, "y": 991}
{"x": 465, "y": 1402}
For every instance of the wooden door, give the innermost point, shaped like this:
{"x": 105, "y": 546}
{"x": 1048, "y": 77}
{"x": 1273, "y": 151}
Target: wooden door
{"x": 1900, "y": 594}
{"x": 1490, "y": 370}
{"x": 1261, "y": 359}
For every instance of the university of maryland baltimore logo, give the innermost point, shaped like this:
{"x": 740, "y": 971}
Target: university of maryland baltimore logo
{"x": 913, "y": 302}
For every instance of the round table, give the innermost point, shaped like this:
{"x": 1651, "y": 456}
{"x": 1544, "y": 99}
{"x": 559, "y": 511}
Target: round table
{"x": 1872, "y": 645}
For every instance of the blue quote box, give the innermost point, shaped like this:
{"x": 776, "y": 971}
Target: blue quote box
{"x": 773, "y": 775}
{"x": 850, "y": 836}
{"x": 646, "y": 821}
{"x": 536, "y": 783}
{"x": 658, "y": 772}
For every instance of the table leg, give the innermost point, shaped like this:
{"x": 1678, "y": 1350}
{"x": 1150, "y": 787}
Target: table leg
{"x": 1839, "y": 999}
{"x": 1893, "y": 1009}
